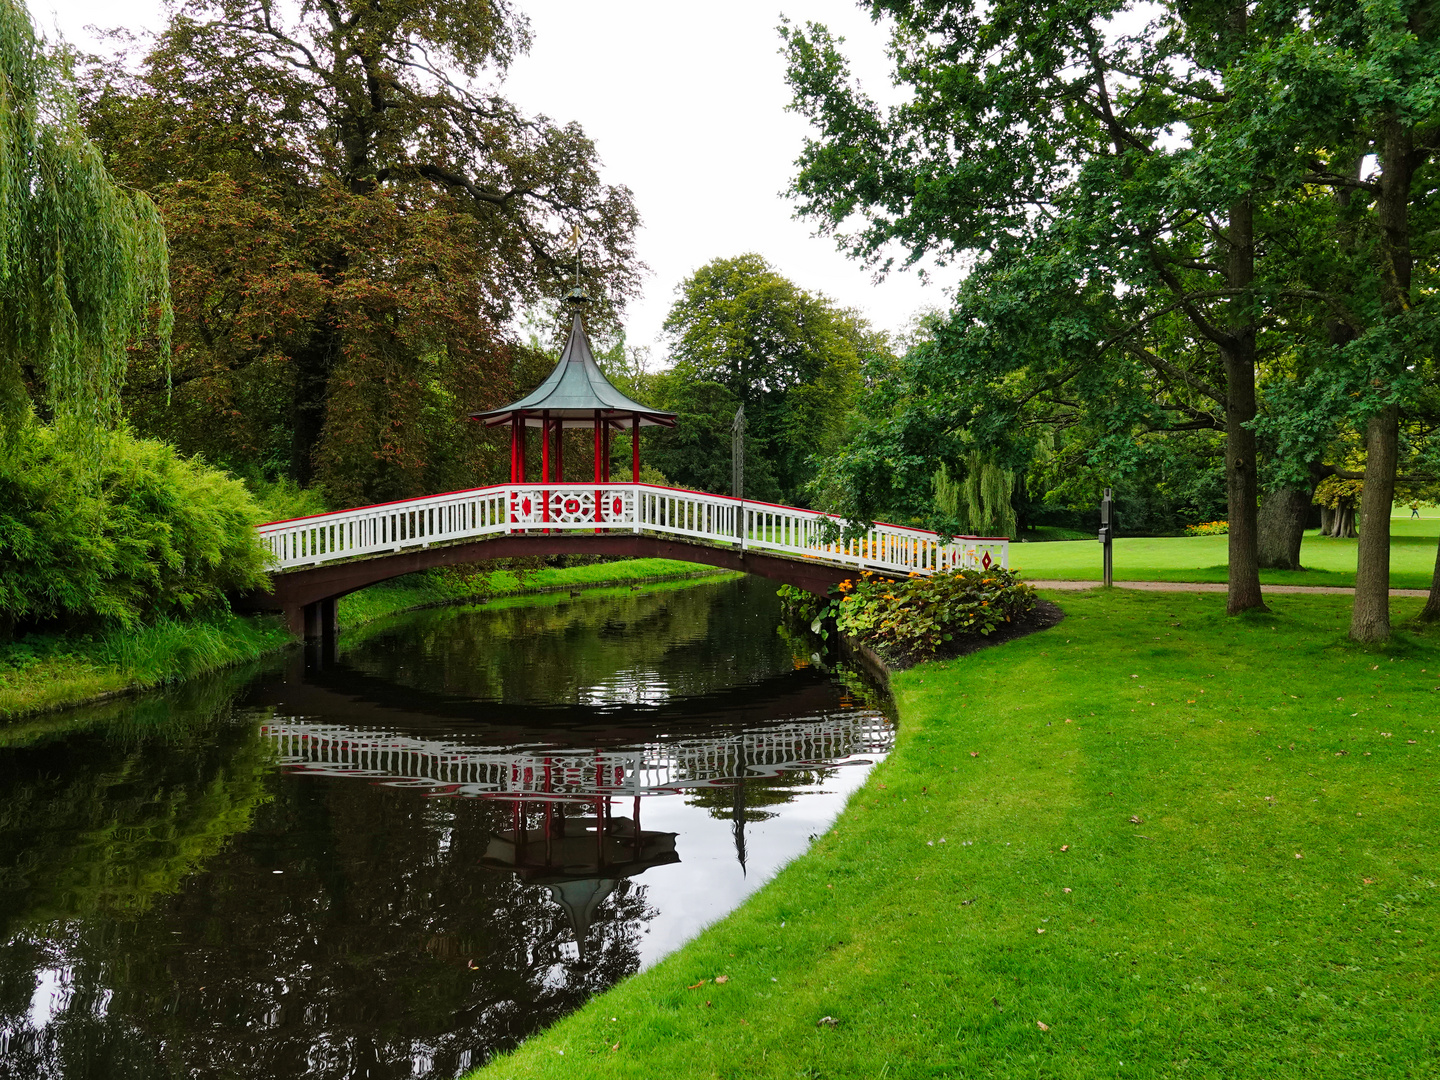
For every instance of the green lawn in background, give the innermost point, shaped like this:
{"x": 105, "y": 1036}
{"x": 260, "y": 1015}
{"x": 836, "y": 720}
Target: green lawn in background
{"x": 1150, "y": 842}
{"x": 1204, "y": 558}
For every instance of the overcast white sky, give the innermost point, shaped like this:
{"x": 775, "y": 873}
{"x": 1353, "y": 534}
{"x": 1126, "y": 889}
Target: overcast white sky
{"x": 685, "y": 102}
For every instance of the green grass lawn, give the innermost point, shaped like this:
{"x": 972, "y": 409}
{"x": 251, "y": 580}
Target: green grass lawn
{"x": 986, "y": 907}
{"x": 1204, "y": 558}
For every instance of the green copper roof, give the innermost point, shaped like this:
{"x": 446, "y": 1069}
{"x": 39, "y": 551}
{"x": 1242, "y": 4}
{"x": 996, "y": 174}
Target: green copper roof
{"x": 575, "y": 391}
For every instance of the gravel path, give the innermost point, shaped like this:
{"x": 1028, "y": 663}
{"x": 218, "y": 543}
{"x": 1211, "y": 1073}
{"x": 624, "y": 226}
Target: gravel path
{"x": 1207, "y": 586}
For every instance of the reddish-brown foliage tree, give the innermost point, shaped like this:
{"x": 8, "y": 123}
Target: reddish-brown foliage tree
{"x": 353, "y": 224}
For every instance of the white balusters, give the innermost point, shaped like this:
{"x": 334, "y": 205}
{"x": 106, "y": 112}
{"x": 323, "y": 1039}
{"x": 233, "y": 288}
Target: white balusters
{"x": 608, "y": 508}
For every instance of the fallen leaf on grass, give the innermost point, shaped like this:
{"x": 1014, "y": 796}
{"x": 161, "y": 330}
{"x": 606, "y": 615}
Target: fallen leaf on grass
{"x": 1135, "y": 820}
{"x": 1367, "y": 881}
{"x": 615, "y": 1047}
{"x": 967, "y": 903}
{"x": 974, "y": 753}
{"x": 1040, "y": 930}
{"x": 701, "y": 983}
{"x": 828, "y": 1021}
{"x": 1064, "y": 847}
{"x": 1042, "y": 1025}
{"x": 722, "y": 979}
{"x": 1298, "y": 855}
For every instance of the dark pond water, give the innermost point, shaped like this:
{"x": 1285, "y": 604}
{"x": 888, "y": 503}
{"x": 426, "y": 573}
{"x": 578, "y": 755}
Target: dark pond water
{"x": 400, "y": 859}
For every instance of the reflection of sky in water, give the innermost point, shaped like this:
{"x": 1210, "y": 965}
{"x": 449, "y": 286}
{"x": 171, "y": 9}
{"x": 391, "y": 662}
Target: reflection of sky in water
{"x": 707, "y": 883}
{"x": 627, "y": 688}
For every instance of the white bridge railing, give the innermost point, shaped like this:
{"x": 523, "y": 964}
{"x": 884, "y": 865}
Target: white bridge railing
{"x": 664, "y": 767}
{"x": 618, "y": 508}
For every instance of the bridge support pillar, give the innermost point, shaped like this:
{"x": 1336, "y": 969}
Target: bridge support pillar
{"x": 319, "y": 619}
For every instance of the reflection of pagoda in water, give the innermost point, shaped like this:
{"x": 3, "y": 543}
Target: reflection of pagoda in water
{"x": 579, "y": 859}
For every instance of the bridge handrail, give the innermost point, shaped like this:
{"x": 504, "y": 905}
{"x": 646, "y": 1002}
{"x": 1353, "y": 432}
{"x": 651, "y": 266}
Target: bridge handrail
{"x": 607, "y": 507}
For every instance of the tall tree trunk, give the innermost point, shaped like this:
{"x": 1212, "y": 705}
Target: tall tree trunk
{"x": 312, "y": 364}
{"x": 1281, "y": 528}
{"x": 1327, "y": 521}
{"x": 1370, "y": 620}
{"x": 1431, "y": 610}
{"x": 1345, "y": 522}
{"x": 1242, "y": 484}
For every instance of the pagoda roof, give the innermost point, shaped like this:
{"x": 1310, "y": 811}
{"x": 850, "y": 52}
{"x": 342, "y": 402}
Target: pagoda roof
{"x": 575, "y": 392}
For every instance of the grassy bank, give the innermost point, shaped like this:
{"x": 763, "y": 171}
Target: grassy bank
{"x": 49, "y": 671}
{"x": 1204, "y": 558}
{"x": 42, "y": 672}
{"x": 1152, "y": 841}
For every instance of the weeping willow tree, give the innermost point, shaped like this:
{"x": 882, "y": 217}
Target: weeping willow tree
{"x": 83, "y": 267}
{"x": 978, "y": 498}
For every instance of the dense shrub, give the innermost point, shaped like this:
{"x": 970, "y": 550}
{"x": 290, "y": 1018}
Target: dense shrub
{"x": 918, "y": 616}
{"x": 120, "y": 533}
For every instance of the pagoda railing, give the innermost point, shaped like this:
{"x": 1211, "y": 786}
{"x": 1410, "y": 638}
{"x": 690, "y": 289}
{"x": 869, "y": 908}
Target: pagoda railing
{"x": 618, "y": 508}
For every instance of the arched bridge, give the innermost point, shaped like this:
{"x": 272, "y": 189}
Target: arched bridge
{"x": 321, "y": 558}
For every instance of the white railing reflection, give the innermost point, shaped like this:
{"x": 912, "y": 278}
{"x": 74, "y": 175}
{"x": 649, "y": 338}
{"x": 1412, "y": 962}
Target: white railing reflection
{"x": 661, "y": 767}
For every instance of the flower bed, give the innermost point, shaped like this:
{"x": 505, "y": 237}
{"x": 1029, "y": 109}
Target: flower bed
{"x": 1208, "y": 528}
{"x": 920, "y": 617}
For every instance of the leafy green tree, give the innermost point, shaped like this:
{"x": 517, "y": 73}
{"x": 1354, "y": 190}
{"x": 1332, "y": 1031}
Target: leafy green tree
{"x": 82, "y": 260}
{"x": 357, "y": 212}
{"x": 744, "y": 334}
{"x": 1039, "y": 141}
{"x": 1350, "y": 83}
{"x": 1141, "y": 210}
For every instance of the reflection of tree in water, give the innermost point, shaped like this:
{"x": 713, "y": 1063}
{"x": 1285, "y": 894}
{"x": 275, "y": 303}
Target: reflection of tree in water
{"x": 357, "y": 960}
{"x": 111, "y": 817}
{"x": 688, "y": 638}
{"x": 744, "y": 801}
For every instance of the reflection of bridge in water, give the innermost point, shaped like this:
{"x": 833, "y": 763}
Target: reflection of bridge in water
{"x": 563, "y": 833}
{"x": 663, "y": 766}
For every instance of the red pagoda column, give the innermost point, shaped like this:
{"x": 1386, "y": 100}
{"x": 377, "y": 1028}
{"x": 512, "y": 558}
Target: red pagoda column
{"x": 545, "y": 465}
{"x": 635, "y": 449}
{"x": 598, "y": 494}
